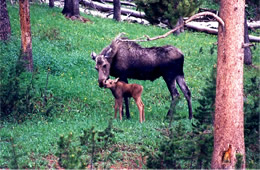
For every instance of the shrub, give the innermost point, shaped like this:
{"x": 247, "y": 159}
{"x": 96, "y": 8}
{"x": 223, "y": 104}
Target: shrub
{"x": 95, "y": 146}
{"x": 184, "y": 147}
{"x": 170, "y": 10}
{"x": 205, "y": 111}
{"x": 67, "y": 153}
{"x": 14, "y": 97}
{"x": 251, "y": 112}
{"x": 19, "y": 95}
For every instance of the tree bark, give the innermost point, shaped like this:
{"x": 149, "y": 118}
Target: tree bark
{"x": 71, "y": 8}
{"x": 117, "y": 10}
{"x": 5, "y": 28}
{"x": 179, "y": 22}
{"x": 248, "y": 54}
{"x": 51, "y": 3}
{"x": 229, "y": 116}
{"x": 26, "y": 39}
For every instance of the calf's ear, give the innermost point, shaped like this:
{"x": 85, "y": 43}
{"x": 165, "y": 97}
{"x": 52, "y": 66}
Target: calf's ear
{"x": 93, "y": 55}
{"x": 116, "y": 80}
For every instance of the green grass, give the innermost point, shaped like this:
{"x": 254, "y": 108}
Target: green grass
{"x": 64, "y": 46}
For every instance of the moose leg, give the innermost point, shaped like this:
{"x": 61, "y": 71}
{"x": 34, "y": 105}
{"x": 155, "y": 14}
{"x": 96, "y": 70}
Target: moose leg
{"x": 184, "y": 88}
{"x": 126, "y": 101}
{"x": 171, "y": 84}
{"x": 127, "y": 113}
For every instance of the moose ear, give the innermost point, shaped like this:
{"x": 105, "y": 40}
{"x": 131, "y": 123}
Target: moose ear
{"x": 116, "y": 80}
{"x": 108, "y": 53}
{"x": 93, "y": 55}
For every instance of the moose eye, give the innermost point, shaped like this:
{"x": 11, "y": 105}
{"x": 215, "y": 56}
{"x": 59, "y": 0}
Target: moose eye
{"x": 105, "y": 66}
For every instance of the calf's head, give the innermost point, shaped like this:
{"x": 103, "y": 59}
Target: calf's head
{"x": 102, "y": 65}
{"x": 110, "y": 83}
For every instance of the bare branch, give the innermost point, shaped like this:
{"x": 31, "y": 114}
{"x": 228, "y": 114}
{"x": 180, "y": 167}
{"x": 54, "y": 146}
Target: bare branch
{"x": 147, "y": 38}
{"x": 119, "y": 35}
{"x": 220, "y": 21}
{"x": 246, "y": 45}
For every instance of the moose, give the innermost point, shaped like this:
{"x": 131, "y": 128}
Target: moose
{"x": 121, "y": 89}
{"x": 125, "y": 59}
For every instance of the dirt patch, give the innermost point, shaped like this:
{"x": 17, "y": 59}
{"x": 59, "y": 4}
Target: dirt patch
{"x": 78, "y": 18}
{"x": 131, "y": 159}
{"x": 53, "y": 162}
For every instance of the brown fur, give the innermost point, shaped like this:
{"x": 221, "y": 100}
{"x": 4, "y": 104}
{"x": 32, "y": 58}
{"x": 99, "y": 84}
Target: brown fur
{"x": 120, "y": 90}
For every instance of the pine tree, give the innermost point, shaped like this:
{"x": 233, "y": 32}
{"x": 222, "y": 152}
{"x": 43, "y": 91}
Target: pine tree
{"x": 204, "y": 113}
{"x": 167, "y": 10}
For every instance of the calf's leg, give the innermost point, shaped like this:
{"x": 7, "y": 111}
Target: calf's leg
{"x": 120, "y": 103}
{"x": 116, "y": 108}
{"x": 143, "y": 111}
{"x": 140, "y": 106}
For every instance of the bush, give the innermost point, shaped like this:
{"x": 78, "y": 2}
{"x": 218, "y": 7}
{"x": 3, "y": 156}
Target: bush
{"x": 205, "y": 111}
{"x": 251, "y": 111}
{"x": 14, "y": 97}
{"x": 95, "y": 147}
{"x": 184, "y": 147}
{"x": 20, "y": 96}
{"x": 167, "y": 10}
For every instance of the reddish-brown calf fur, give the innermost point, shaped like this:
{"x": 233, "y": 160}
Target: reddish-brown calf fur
{"x": 120, "y": 90}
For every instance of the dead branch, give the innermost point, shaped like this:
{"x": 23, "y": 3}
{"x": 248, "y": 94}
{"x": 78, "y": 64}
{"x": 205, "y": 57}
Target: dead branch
{"x": 107, "y": 8}
{"x": 122, "y": 2}
{"x": 220, "y": 21}
{"x": 147, "y": 38}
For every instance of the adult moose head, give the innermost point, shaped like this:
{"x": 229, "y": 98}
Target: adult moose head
{"x": 126, "y": 59}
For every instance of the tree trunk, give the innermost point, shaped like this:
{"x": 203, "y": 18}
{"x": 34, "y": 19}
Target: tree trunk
{"x": 179, "y": 22}
{"x": 229, "y": 117}
{"x": 248, "y": 54}
{"x": 71, "y": 8}
{"x": 5, "y": 28}
{"x": 117, "y": 10}
{"x": 51, "y": 3}
{"x": 26, "y": 39}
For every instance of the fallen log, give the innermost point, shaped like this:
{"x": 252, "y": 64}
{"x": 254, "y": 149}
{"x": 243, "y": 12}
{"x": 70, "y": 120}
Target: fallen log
{"x": 122, "y": 2}
{"x": 107, "y": 8}
{"x": 202, "y": 28}
{"x": 254, "y": 25}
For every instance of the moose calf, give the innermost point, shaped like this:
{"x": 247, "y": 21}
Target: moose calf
{"x": 120, "y": 90}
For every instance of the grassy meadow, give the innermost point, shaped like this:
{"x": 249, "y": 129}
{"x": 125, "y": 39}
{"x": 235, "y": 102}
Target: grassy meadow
{"x": 66, "y": 76}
